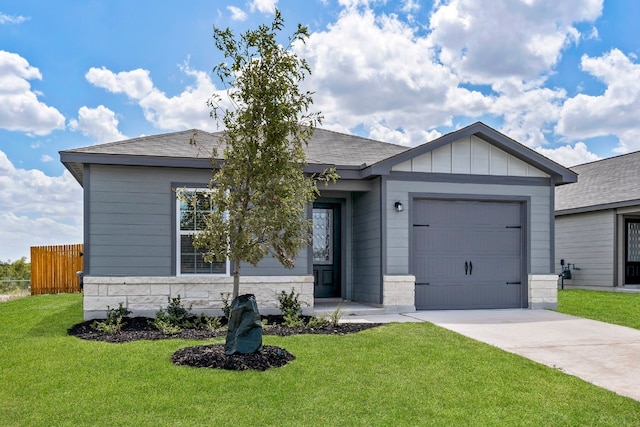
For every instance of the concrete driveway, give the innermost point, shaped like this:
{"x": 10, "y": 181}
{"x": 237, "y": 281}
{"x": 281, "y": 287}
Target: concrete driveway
{"x": 603, "y": 354}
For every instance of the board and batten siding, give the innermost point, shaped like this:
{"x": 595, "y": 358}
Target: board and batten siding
{"x": 539, "y": 213}
{"x": 131, "y": 218}
{"x": 587, "y": 240}
{"x": 367, "y": 243}
{"x": 469, "y": 155}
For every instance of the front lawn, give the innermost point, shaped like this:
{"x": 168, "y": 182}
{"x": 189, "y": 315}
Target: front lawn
{"x": 397, "y": 374}
{"x": 620, "y": 308}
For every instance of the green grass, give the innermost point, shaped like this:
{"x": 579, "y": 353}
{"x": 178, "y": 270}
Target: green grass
{"x": 619, "y": 308}
{"x": 394, "y": 375}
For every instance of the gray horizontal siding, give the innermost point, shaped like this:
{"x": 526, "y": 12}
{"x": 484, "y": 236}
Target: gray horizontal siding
{"x": 366, "y": 246}
{"x": 131, "y": 223}
{"x": 270, "y": 266}
{"x": 130, "y": 219}
{"x": 587, "y": 240}
{"x": 540, "y": 233}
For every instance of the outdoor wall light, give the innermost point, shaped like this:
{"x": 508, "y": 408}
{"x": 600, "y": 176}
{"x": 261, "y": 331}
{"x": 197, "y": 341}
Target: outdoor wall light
{"x": 398, "y": 206}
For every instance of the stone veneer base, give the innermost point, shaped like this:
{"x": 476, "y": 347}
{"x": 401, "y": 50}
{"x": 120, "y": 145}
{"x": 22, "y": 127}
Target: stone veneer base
{"x": 144, "y": 296}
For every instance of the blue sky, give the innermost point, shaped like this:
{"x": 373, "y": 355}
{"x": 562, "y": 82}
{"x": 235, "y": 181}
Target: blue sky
{"x": 560, "y": 77}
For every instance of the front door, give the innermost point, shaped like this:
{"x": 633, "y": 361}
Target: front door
{"x": 326, "y": 250}
{"x": 632, "y": 256}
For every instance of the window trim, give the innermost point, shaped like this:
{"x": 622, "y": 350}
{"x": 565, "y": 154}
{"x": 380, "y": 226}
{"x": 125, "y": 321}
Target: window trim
{"x": 180, "y": 233}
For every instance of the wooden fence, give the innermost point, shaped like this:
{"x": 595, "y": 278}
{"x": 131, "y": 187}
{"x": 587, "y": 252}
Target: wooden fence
{"x": 54, "y": 268}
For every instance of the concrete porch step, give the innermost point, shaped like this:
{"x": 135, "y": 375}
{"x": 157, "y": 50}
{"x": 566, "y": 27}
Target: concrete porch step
{"x": 327, "y": 306}
{"x": 629, "y": 288}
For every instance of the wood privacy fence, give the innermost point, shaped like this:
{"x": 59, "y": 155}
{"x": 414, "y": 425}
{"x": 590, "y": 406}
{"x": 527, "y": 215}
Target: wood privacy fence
{"x": 54, "y": 268}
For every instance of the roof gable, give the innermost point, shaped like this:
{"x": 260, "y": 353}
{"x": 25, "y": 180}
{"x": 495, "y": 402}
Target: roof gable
{"x": 469, "y": 155}
{"x": 478, "y": 150}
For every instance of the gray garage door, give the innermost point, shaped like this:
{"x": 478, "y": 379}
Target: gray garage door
{"x": 467, "y": 254}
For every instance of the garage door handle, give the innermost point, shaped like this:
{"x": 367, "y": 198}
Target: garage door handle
{"x": 470, "y": 268}
{"x": 514, "y": 283}
{"x": 466, "y": 267}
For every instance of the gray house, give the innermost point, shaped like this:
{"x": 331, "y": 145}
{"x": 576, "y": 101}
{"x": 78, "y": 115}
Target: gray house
{"x": 598, "y": 224}
{"x": 461, "y": 222}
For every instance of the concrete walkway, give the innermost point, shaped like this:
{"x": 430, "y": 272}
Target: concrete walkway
{"x": 601, "y": 353}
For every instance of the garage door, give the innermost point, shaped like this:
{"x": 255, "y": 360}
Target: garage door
{"x": 467, "y": 254}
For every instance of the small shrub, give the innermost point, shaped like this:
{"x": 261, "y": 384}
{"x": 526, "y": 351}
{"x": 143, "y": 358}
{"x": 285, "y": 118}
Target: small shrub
{"x": 177, "y": 313}
{"x": 317, "y": 323}
{"x": 174, "y": 318}
{"x": 289, "y": 304}
{"x": 226, "y": 306}
{"x": 166, "y": 327}
{"x": 334, "y": 318}
{"x": 266, "y": 324}
{"x": 114, "y": 322}
{"x": 292, "y": 321}
{"x": 212, "y": 323}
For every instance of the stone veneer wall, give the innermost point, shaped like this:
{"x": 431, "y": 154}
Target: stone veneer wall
{"x": 398, "y": 293}
{"x": 146, "y": 295}
{"x": 543, "y": 291}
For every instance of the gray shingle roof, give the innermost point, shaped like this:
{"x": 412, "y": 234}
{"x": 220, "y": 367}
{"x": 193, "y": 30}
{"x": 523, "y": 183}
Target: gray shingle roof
{"x": 613, "y": 182}
{"x": 325, "y": 148}
{"x": 354, "y": 157}
{"x": 176, "y": 144}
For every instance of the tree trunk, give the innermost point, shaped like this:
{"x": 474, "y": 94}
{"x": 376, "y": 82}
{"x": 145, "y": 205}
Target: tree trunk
{"x": 236, "y": 279}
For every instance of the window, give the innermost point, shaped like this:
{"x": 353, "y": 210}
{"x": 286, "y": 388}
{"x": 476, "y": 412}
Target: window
{"x": 190, "y": 221}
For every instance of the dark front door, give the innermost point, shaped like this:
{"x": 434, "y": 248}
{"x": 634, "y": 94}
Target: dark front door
{"x": 467, "y": 254}
{"x": 326, "y": 250}
{"x": 632, "y": 258}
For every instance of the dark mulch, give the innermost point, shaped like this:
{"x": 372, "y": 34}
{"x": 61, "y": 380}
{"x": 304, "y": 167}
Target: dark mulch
{"x": 213, "y": 356}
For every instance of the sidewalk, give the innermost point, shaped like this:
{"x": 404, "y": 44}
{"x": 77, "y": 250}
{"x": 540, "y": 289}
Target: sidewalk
{"x": 601, "y": 353}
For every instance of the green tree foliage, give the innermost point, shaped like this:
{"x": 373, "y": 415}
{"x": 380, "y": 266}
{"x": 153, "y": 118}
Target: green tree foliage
{"x": 14, "y": 275}
{"x": 261, "y": 192}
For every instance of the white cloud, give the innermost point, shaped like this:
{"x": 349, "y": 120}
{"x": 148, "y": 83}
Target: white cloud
{"x": 186, "y": 110}
{"x": 99, "y": 123}
{"x": 46, "y": 158}
{"x": 378, "y": 72}
{"x": 485, "y": 42}
{"x": 568, "y": 155}
{"x": 11, "y": 19}
{"x": 614, "y": 112}
{"x": 528, "y": 110}
{"x": 409, "y": 138}
{"x": 264, "y": 6}
{"x": 375, "y": 71}
{"x": 136, "y": 84}
{"x": 36, "y": 209}
{"x": 409, "y": 6}
{"x": 20, "y": 109}
{"x": 237, "y": 14}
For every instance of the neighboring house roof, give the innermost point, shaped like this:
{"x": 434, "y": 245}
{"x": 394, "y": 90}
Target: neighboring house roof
{"x": 603, "y": 184}
{"x": 353, "y": 157}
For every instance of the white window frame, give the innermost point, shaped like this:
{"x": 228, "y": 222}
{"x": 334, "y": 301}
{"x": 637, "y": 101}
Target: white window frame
{"x": 180, "y": 233}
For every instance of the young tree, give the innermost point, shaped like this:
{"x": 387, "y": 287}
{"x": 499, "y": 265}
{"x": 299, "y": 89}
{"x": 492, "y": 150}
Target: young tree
{"x": 260, "y": 191}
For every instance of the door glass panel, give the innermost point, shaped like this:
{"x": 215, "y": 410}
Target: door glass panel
{"x": 633, "y": 242}
{"x": 322, "y": 236}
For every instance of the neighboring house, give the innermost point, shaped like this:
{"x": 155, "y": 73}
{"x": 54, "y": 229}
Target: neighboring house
{"x": 598, "y": 224}
{"x": 461, "y": 222}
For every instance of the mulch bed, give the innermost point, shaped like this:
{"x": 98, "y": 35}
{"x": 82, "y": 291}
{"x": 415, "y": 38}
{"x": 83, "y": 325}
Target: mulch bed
{"x": 213, "y": 356}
